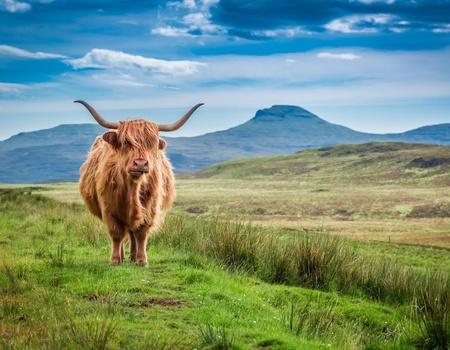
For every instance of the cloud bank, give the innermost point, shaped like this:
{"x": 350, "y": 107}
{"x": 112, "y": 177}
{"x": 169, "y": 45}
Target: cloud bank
{"x": 14, "y": 51}
{"x": 107, "y": 59}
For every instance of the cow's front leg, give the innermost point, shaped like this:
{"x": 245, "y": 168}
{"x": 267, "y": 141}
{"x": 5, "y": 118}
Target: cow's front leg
{"x": 140, "y": 236}
{"x": 132, "y": 246}
{"x": 118, "y": 237}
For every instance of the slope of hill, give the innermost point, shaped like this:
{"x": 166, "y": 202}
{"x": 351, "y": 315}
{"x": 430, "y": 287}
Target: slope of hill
{"x": 372, "y": 163}
{"x": 60, "y": 135}
{"x": 56, "y": 154}
{"x": 364, "y": 191}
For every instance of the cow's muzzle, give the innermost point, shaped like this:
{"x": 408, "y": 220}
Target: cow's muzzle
{"x": 140, "y": 166}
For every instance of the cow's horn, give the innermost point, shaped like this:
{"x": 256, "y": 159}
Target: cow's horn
{"x": 180, "y": 122}
{"x": 98, "y": 117}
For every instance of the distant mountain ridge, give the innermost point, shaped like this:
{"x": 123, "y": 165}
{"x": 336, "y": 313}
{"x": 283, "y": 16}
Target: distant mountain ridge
{"x": 54, "y": 136}
{"x": 56, "y": 154}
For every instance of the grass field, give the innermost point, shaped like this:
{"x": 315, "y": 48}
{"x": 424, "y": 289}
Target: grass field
{"x": 258, "y": 254}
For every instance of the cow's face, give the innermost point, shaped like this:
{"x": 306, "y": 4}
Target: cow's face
{"x": 137, "y": 144}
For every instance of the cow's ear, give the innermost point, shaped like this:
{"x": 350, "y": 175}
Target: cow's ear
{"x": 162, "y": 144}
{"x": 111, "y": 138}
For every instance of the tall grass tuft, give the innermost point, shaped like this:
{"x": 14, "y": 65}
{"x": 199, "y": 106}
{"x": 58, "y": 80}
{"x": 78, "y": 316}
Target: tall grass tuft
{"x": 217, "y": 338}
{"x": 432, "y": 312}
{"x": 232, "y": 244}
{"x": 13, "y": 280}
{"x": 62, "y": 256}
{"x": 275, "y": 263}
{"x": 309, "y": 320}
{"x": 319, "y": 259}
{"x": 95, "y": 332}
{"x": 317, "y": 319}
{"x": 383, "y": 280}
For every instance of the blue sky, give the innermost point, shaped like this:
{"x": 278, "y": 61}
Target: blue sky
{"x": 372, "y": 65}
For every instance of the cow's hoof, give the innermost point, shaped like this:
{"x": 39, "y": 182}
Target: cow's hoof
{"x": 142, "y": 263}
{"x": 115, "y": 262}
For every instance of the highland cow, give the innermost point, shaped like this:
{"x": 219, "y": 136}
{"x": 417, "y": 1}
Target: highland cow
{"x": 128, "y": 182}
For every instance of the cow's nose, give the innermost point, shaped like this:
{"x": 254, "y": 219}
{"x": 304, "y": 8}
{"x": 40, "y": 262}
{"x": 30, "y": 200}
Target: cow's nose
{"x": 140, "y": 164}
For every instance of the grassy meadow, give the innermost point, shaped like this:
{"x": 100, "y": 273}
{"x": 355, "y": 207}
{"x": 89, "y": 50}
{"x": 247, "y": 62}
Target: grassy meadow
{"x": 339, "y": 248}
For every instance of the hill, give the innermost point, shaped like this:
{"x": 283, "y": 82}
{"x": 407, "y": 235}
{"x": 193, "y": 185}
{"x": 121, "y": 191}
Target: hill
{"x": 372, "y": 163}
{"x": 56, "y": 154}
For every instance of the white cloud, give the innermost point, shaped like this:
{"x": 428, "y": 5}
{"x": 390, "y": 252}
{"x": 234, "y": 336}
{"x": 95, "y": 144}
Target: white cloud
{"x": 282, "y": 32}
{"x": 193, "y": 22}
{"x": 14, "y": 51}
{"x": 442, "y": 29}
{"x": 108, "y": 59}
{"x": 362, "y": 23}
{"x": 199, "y": 21}
{"x": 188, "y": 4}
{"x": 196, "y": 20}
{"x": 209, "y": 3}
{"x": 192, "y": 4}
{"x": 341, "y": 56}
{"x": 14, "y": 6}
{"x": 8, "y": 88}
{"x": 171, "y": 31}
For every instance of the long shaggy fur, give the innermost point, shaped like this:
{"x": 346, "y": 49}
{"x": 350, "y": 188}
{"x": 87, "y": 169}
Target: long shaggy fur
{"x": 130, "y": 207}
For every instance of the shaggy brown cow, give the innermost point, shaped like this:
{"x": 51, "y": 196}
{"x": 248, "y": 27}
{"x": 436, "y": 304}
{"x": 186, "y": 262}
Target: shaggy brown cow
{"x": 127, "y": 181}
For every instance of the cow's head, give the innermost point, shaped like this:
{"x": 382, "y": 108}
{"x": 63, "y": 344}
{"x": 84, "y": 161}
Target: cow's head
{"x": 137, "y": 141}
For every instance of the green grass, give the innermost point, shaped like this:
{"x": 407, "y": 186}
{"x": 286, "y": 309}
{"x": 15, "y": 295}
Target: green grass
{"x": 211, "y": 284}
{"x": 57, "y": 290}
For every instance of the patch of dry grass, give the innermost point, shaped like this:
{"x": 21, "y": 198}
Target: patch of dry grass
{"x": 384, "y": 213}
